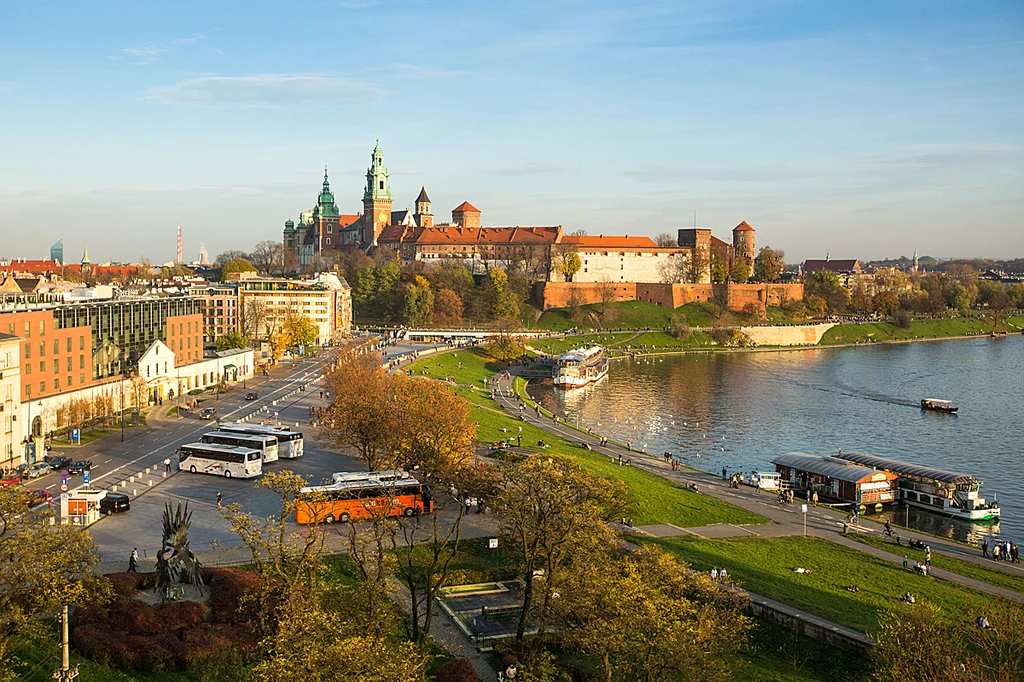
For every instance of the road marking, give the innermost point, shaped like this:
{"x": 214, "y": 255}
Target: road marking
{"x": 52, "y": 485}
{"x": 107, "y": 461}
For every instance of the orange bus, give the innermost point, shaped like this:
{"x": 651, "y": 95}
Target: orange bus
{"x": 361, "y": 499}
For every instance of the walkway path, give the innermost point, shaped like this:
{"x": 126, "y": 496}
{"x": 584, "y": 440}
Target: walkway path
{"x": 821, "y": 521}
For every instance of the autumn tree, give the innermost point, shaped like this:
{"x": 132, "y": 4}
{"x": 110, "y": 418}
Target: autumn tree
{"x": 226, "y": 257}
{"x": 885, "y": 303}
{"x": 696, "y": 266}
{"x": 740, "y": 272}
{"x": 506, "y": 344}
{"x": 253, "y": 314}
{"x": 447, "y": 308}
{"x": 719, "y": 266}
{"x": 606, "y": 295}
{"x": 43, "y": 568}
{"x": 567, "y": 260}
{"x": 418, "y": 305}
{"x": 649, "y": 617}
{"x": 364, "y": 412}
{"x": 300, "y": 329}
{"x": 232, "y": 340}
{"x": 548, "y": 505}
{"x": 768, "y": 264}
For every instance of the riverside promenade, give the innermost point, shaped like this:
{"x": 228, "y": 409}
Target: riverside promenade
{"x": 822, "y": 521}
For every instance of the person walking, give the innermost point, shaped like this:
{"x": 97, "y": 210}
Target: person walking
{"x": 984, "y": 548}
{"x": 814, "y": 498}
{"x": 220, "y": 499}
{"x": 133, "y": 561}
{"x": 714, "y": 574}
{"x": 928, "y": 557}
{"x": 722, "y": 575}
{"x": 167, "y": 464}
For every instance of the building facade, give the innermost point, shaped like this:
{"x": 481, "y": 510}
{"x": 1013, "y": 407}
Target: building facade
{"x": 326, "y": 300}
{"x": 12, "y": 435}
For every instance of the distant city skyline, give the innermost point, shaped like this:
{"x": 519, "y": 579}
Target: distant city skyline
{"x": 863, "y": 130}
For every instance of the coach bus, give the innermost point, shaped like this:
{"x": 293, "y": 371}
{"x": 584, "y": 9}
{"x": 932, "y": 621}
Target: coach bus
{"x": 361, "y": 499}
{"x": 267, "y": 445}
{"x": 220, "y": 460}
{"x": 289, "y": 443}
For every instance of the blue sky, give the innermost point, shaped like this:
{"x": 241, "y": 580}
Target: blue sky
{"x": 864, "y": 129}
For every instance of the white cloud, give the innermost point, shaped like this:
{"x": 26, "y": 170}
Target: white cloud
{"x": 265, "y": 90}
{"x": 142, "y": 55}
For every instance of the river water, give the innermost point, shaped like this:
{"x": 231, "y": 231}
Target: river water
{"x": 740, "y": 410}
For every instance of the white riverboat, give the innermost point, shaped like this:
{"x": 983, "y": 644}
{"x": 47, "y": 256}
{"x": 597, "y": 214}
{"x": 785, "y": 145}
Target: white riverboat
{"x": 580, "y": 367}
{"x": 943, "y": 492}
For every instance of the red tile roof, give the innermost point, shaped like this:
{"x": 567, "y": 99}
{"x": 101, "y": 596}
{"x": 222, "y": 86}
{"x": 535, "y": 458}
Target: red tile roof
{"x": 451, "y": 235}
{"x": 743, "y": 227}
{"x": 715, "y": 241}
{"x": 464, "y": 207}
{"x": 346, "y": 219}
{"x": 611, "y": 242}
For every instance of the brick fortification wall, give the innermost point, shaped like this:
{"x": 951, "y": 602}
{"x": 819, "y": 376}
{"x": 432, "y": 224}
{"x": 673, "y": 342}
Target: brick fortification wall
{"x": 738, "y": 296}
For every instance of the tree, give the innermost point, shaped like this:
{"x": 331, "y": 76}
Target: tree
{"x": 649, "y": 617}
{"x": 226, "y": 257}
{"x": 418, "y": 308}
{"x": 264, "y": 254}
{"x": 238, "y": 265}
{"x": 364, "y": 285}
{"x": 300, "y": 329}
{"x": 740, "y": 271}
{"x": 232, "y": 340}
{"x": 769, "y": 264}
{"x": 697, "y": 266}
{"x": 252, "y": 317}
{"x": 606, "y": 295}
{"x": 567, "y": 261}
{"x": 43, "y": 567}
{"x": 447, "y": 308}
{"x": 547, "y": 505}
{"x": 284, "y": 261}
{"x": 665, "y": 240}
{"x": 138, "y": 389}
{"x": 719, "y": 266}
{"x": 506, "y": 345}
{"x": 364, "y": 412}
{"x": 885, "y": 303}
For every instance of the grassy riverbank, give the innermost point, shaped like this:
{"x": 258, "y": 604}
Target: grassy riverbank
{"x": 873, "y": 332}
{"x": 993, "y": 576}
{"x": 765, "y": 566}
{"x": 653, "y": 499}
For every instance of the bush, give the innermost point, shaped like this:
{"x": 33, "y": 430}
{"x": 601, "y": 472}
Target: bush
{"x": 176, "y": 616}
{"x": 903, "y": 319}
{"x": 125, "y": 584}
{"x": 228, "y": 586}
{"x": 456, "y": 670}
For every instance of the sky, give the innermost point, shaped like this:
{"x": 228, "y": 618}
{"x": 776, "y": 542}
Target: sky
{"x": 858, "y": 129}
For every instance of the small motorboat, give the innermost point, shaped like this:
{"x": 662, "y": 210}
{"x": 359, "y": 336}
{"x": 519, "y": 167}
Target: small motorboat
{"x": 938, "y": 405}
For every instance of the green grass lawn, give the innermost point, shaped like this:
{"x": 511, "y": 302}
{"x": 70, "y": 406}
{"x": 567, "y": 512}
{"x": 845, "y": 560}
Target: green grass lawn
{"x": 653, "y": 499}
{"x": 559, "y": 346}
{"x": 920, "y": 329}
{"x": 992, "y": 576}
{"x": 775, "y": 654}
{"x": 765, "y": 566}
{"x": 466, "y": 366}
{"x": 663, "y": 342}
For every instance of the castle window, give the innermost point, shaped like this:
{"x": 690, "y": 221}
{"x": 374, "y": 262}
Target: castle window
{"x": 328, "y": 241}
{"x": 382, "y": 184}
{"x": 329, "y": 229}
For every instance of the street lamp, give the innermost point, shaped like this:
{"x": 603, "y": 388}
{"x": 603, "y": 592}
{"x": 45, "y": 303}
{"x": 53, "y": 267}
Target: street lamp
{"x": 124, "y": 375}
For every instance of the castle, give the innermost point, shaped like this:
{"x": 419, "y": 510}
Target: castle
{"x": 414, "y": 236}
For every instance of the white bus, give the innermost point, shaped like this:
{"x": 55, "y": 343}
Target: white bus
{"x": 267, "y": 445}
{"x": 220, "y": 460}
{"x": 289, "y": 443}
{"x": 381, "y": 477}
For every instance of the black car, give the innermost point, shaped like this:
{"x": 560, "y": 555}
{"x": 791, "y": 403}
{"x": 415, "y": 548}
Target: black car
{"x": 114, "y": 503}
{"x": 78, "y": 467}
{"x": 58, "y": 462}
{"x": 252, "y": 395}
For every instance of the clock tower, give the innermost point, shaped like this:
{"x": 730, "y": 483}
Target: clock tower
{"x": 376, "y": 198}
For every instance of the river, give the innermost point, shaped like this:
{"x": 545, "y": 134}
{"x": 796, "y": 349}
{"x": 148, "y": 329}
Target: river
{"x": 740, "y": 410}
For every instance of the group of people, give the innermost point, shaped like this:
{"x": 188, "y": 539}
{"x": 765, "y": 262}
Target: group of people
{"x": 719, "y": 575}
{"x": 785, "y": 497}
{"x": 1001, "y": 551}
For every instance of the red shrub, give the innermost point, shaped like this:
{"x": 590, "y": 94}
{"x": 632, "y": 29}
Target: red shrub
{"x": 127, "y": 584}
{"x": 456, "y": 670}
{"x": 228, "y": 586}
{"x": 176, "y": 616}
{"x": 90, "y": 613}
{"x": 136, "y": 618}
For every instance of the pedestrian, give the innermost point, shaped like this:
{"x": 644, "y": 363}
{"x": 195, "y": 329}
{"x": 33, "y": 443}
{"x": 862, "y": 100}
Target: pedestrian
{"x": 714, "y": 573}
{"x": 814, "y": 498}
{"x": 1006, "y": 551}
{"x": 984, "y": 548}
{"x": 167, "y": 464}
{"x": 133, "y": 561}
{"x": 995, "y": 551}
{"x": 469, "y": 503}
{"x": 723, "y": 472}
{"x": 722, "y": 575}
{"x": 928, "y": 557}
{"x": 220, "y": 504}
{"x": 904, "y": 561}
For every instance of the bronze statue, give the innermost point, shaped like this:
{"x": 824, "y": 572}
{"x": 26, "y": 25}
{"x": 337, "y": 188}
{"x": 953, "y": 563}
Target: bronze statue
{"x": 175, "y": 562}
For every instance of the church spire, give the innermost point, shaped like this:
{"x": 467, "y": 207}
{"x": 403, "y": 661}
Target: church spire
{"x": 85, "y": 255}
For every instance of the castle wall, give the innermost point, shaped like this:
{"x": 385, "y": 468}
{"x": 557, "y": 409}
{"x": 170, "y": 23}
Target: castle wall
{"x": 737, "y": 296}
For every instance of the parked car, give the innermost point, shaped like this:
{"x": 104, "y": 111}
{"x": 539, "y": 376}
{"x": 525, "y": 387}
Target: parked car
{"x": 78, "y": 467}
{"x": 252, "y": 395}
{"x": 36, "y": 470}
{"x": 208, "y": 413}
{"x": 39, "y": 496}
{"x": 57, "y": 462}
{"x": 10, "y": 480}
{"x": 114, "y": 503}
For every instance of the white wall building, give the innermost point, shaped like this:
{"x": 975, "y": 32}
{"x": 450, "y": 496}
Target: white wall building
{"x": 11, "y": 435}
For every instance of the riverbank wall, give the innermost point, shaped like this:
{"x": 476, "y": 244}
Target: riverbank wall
{"x": 789, "y": 335}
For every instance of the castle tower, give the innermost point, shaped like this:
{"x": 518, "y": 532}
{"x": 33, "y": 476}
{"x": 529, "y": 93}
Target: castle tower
{"x": 698, "y": 240}
{"x": 326, "y": 218}
{"x": 376, "y": 198}
{"x": 466, "y": 215}
{"x": 743, "y": 244}
{"x": 916, "y": 264}
{"x": 424, "y": 218}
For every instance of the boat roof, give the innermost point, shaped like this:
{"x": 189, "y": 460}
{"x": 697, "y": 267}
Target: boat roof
{"x": 907, "y": 469}
{"x": 580, "y": 353}
{"x": 938, "y": 401}
{"x": 824, "y": 466}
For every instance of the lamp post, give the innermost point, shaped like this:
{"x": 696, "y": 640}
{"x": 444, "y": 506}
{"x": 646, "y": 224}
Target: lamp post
{"x": 124, "y": 376}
